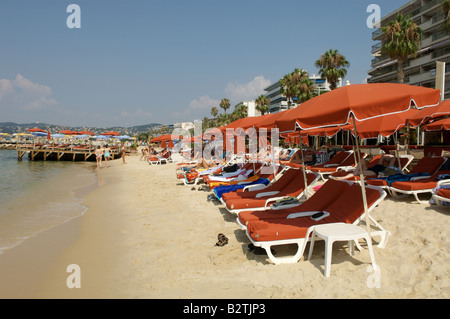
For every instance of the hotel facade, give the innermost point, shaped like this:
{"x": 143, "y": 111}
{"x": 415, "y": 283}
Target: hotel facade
{"x": 435, "y": 46}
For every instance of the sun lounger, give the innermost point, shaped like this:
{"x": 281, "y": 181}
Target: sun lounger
{"x": 405, "y": 161}
{"x": 276, "y": 186}
{"x": 418, "y": 186}
{"x": 346, "y": 208}
{"x": 319, "y": 201}
{"x": 426, "y": 167}
{"x": 328, "y": 169}
{"x": 264, "y": 177}
{"x": 264, "y": 199}
{"x": 441, "y": 194}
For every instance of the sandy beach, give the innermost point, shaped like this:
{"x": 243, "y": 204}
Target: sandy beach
{"x": 146, "y": 235}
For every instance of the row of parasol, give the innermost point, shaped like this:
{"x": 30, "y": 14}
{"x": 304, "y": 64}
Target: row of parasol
{"x": 366, "y": 109}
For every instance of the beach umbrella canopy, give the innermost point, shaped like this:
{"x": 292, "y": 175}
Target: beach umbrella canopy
{"x": 439, "y": 125}
{"x": 354, "y": 103}
{"x": 429, "y": 113}
{"x": 382, "y": 125}
{"x": 57, "y": 135}
{"x": 360, "y": 101}
{"x": 68, "y": 132}
{"x": 36, "y": 130}
{"x": 111, "y": 133}
{"x": 86, "y": 133}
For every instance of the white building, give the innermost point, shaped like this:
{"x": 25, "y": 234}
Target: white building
{"x": 184, "y": 125}
{"x": 251, "y": 108}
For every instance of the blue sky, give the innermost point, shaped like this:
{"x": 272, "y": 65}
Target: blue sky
{"x": 137, "y": 62}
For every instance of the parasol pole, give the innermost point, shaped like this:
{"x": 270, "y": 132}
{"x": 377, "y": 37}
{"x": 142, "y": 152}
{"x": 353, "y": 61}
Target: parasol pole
{"x": 303, "y": 164}
{"x": 361, "y": 176}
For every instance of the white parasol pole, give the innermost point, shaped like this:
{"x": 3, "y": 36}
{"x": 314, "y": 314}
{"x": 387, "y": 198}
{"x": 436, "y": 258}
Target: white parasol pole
{"x": 303, "y": 164}
{"x": 361, "y": 176}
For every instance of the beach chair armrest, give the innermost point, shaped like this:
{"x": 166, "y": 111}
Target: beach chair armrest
{"x": 264, "y": 194}
{"x": 443, "y": 182}
{"x": 418, "y": 177}
{"x": 274, "y": 199}
{"x": 256, "y": 187}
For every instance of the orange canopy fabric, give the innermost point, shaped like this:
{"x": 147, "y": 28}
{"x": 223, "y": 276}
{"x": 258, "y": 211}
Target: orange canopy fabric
{"x": 440, "y": 110}
{"x": 68, "y": 132}
{"x": 86, "y": 133}
{"x": 37, "y": 130}
{"x": 440, "y": 125}
{"x": 165, "y": 138}
{"x": 383, "y": 125}
{"x": 111, "y": 133}
{"x": 364, "y": 101}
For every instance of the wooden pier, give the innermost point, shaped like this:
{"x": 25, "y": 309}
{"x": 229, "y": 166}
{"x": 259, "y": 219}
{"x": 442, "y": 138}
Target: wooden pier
{"x": 74, "y": 154}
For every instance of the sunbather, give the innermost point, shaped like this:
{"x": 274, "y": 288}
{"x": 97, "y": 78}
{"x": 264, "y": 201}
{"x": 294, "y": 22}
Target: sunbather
{"x": 384, "y": 162}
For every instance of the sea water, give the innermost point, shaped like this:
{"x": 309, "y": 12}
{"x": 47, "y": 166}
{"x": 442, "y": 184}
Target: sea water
{"x": 38, "y": 195}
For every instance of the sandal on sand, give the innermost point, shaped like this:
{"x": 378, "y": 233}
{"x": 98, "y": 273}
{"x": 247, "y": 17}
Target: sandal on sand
{"x": 222, "y": 240}
{"x": 258, "y": 250}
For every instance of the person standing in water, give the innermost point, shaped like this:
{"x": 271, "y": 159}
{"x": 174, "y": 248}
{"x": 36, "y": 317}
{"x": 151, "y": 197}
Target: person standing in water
{"x": 107, "y": 151}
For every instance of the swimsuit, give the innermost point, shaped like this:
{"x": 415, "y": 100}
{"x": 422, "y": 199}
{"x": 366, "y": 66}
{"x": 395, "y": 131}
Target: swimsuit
{"x": 106, "y": 154}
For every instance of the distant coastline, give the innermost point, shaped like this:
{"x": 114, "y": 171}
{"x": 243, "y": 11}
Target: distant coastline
{"x": 11, "y": 128}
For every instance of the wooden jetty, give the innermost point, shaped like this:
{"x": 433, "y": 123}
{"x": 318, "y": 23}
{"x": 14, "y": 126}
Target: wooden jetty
{"x": 74, "y": 154}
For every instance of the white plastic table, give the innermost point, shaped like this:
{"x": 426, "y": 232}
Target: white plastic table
{"x": 339, "y": 232}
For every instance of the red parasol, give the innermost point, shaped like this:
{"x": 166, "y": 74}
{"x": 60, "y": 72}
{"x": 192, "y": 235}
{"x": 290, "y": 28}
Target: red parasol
{"x": 37, "y": 130}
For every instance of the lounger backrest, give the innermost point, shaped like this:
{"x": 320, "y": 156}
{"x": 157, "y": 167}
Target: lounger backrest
{"x": 297, "y": 184}
{"x": 282, "y": 182}
{"x": 374, "y": 161}
{"x": 349, "y": 206}
{"x": 338, "y": 158}
{"x": 428, "y": 165}
{"x": 325, "y": 195}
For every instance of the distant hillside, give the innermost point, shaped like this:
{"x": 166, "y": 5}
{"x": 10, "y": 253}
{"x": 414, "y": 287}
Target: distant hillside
{"x": 11, "y": 128}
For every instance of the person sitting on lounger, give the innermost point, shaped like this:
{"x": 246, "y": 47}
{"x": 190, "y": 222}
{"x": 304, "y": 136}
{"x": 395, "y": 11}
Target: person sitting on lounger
{"x": 383, "y": 163}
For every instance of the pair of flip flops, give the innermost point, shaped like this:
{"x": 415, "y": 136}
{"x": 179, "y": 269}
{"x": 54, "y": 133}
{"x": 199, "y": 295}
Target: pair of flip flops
{"x": 222, "y": 240}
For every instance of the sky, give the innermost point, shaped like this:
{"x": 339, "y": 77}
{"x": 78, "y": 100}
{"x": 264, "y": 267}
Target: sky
{"x": 137, "y": 62}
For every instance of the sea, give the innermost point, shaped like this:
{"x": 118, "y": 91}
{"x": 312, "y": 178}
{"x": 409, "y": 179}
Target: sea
{"x": 38, "y": 195}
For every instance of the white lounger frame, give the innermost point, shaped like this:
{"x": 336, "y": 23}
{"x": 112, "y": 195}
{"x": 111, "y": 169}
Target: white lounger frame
{"x": 301, "y": 197}
{"x": 301, "y": 242}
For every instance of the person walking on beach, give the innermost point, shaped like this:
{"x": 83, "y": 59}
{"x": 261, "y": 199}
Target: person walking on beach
{"x": 124, "y": 151}
{"x": 98, "y": 156}
{"x": 107, "y": 151}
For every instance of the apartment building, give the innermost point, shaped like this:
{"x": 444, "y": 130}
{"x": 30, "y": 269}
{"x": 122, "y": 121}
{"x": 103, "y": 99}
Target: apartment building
{"x": 435, "y": 46}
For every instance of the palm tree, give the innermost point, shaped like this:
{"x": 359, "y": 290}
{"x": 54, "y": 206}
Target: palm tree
{"x": 402, "y": 37}
{"x": 297, "y": 85}
{"x": 214, "y": 112}
{"x": 225, "y": 105}
{"x": 332, "y": 67}
{"x": 262, "y": 104}
{"x": 240, "y": 110}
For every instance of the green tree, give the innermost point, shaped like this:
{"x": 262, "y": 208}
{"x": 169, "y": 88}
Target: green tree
{"x": 402, "y": 39}
{"x": 332, "y": 66}
{"x": 262, "y": 104}
{"x": 225, "y": 105}
{"x": 297, "y": 85}
{"x": 214, "y": 112}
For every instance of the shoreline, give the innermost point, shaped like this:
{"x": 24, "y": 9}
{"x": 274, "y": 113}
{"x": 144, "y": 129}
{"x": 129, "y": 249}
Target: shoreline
{"x": 145, "y": 235}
